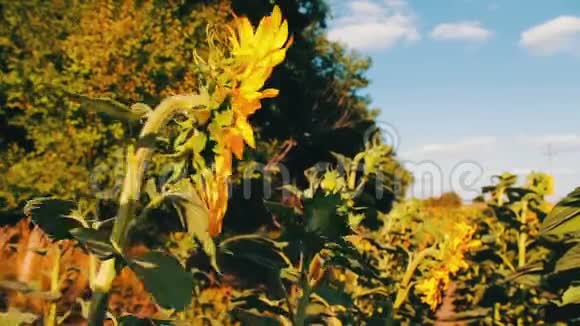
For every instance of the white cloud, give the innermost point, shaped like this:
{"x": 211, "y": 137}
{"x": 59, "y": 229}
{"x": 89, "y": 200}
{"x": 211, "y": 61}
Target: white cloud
{"x": 373, "y": 24}
{"x": 460, "y": 146}
{"x": 440, "y": 167}
{"x": 555, "y": 140}
{"x": 470, "y": 31}
{"x": 559, "y": 35}
{"x": 469, "y": 144}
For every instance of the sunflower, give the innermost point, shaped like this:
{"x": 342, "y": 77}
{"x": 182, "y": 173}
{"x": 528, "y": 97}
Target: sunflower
{"x": 253, "y": 54}
{"x": 430, "y": 289}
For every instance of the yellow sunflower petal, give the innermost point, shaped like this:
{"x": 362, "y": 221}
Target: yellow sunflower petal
{"x": 281, "y": 36}
{"x": 252, "y": 85}
{"x": 276, "y": 16}
{"x": 246, "y": 131}
{"x": 244, "y": 107}
{"x": 277, "y": 57}
{"x": 264, "y": 33}
{"x": 223, "y": 162}
{"x": 270, "y": 92}
{"x": 246, "y": 32}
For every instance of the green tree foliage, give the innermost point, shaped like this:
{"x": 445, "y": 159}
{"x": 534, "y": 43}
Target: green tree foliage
{"x": 130, "y": 50}
{"x": 140, "y": 51}
{"x": 448, "y": 199}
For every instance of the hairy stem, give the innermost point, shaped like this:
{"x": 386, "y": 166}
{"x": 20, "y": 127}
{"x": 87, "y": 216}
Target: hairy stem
{"x": 136, "y": 164}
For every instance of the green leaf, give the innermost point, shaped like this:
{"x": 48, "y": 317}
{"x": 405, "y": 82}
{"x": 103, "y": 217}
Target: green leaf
{"x": 333, "y": 295}
{"x": 516, "y": 193}
{"x": 150, "y": 189}
{"x": 571, "y": 295}
{"x": 286, "y": 214}
{"x": 343, "y": 254}
{"x": 110, "y": 107}
{"x": 257, "y": 304}
{"x": 529, "y": 274}
{"x": 570, "y": 260}
{"x": 564, "y": 217}
{"x": 197, "y": 141}
{"x": 16, "y": 286}
{"x": 489, "y": 239}
{"x": 51, "y": 215}
{"x": 16, "y": 318}
{"x": 321, "y": 218}
{"x": 194, "y": 216}
{"x": 165, "y": 278}
{"x": 487, "y": 189}
{"x": 506, "y": 214}
{"x": 256, "y": 249}
{"x": 529, "y": 280}
{"x": 29, "y": 290}
{"x": 342, "y": 160}
{"x": 506, "y": 179}
{"x": 97, "y": 242}
{"x": 141, "y": 109}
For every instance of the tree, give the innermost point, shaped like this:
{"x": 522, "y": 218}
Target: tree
{"x": 129, "y": 50}
{"x": 139, "y": 51}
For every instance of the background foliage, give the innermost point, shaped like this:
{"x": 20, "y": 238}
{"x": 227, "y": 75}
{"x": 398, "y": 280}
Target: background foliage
{"x": 337, "y": 245}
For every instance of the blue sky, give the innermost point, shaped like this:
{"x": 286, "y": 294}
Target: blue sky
{"x": 471, "y": 88}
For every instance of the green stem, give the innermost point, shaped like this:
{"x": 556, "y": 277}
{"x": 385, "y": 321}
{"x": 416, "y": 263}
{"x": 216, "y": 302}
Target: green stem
{"x": 500, "y": 196}
{"x": 506, "y": 261}
{"x": 300, "y": 316}
{"x": 354, "y": 170}
{"x": 496, "y": 314}
{"x": 54, "y": 288}
{"x": 99, "y": 304}
{"x": 137, "y": 161}
{"x": 522, "y": 239}
{"x": 286, "y": 299}
{"x": 523, "y": 236}
{"x": 362, "y": 183}
{"x": 131, "y": 191}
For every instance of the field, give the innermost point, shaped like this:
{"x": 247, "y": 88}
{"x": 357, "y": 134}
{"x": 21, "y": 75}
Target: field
{"x": 214, "y": 163}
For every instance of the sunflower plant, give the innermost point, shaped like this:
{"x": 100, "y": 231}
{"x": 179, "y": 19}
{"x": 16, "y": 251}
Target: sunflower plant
{"x": 503, "y": 285}
{"x": 344, "y": 269}
{"x": 200, "y": 134}
{"x": 316, "y": 262}
{"x": 419, "y": 251}
{"x": 558, "y": 272}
